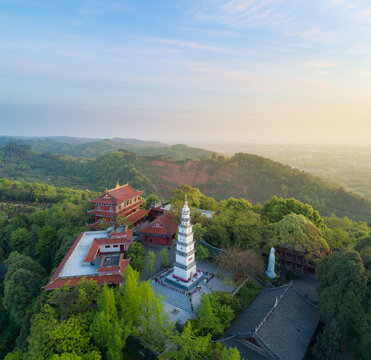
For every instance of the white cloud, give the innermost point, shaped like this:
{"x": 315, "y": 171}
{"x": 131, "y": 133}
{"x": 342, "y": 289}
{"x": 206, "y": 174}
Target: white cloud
{"x": 187, "y": 44}
{"x": 319, "y": 64}
{"x": 242, "y": 13}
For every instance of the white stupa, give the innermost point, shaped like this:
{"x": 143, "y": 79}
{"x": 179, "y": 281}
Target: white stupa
{"x": 270, "y": 270}
{"x": 185, "y": 264}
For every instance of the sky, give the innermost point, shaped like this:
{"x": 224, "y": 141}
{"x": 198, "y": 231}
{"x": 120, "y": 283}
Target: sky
{"x": 294, "y": 71}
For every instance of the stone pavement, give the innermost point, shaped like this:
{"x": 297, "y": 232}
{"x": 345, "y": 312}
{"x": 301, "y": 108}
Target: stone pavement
{"x": 182, "y": 307}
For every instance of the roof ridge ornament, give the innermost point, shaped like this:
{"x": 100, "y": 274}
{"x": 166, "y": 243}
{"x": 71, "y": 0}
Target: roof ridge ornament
{"x": 117, "y": 185}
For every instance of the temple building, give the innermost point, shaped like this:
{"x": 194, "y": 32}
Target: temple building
{"x": 95, "y": 255}
{"x": 295, "y": 261}
{"x": 161, "y": 231}
{"x": 279, "y": 324}
{"x": 122, "y": 200}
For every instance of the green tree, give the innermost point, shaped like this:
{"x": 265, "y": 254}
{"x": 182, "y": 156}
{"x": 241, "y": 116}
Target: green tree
{"x": 239, "y": 205}
{"x": 230, "y": 354}
{"x": 136, "y": 254}
{"x": 42, "y": 325}
{"x": 164, "y": 258}
{"x": 20, "y": 240}
{"x": 214, "y": 317}
{"x": 337, "y": 238}
{"x": 237, "y": 226}
{"x": 362, "y": 243}
{"x": 201, "y": 253}
{"x": 277, "y": 208}
{"x": 193, "y": 197}
{"x": 208, "y": 322}
{"x": 198, "y": 231}
{"x": 188, "y": 346}
{"x": 155, "y": 325}
{"x": 209, "y": 203}
{"x": 342, "y": 286}
{"x": 106, "y": 330}
{"x": 92, "y": 355}
{"x": 152, "y": 198}
{"x": 128, "y": 298}
{"x": 150, "y": 262}
{"x": 146, "y": 317}
{"x": 47, "y": 245}
{"x": 75, "y": 300}
{"x": 22, "y": 283}
{"x": 298, "y": 233}
{"x": 16, "y": 355}
{"x": 328, "y": 342}
{"x": 71, "y": 336}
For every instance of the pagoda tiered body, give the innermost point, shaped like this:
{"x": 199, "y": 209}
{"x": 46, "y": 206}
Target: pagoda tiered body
{"x": 185, "y": 265}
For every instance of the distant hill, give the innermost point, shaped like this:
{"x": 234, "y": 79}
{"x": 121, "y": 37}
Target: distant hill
{"x": 92, "y": 148}
{"x": 243, "y": 175}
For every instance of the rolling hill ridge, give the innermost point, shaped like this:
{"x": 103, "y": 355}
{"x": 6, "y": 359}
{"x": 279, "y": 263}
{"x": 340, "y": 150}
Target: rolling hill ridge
{"x": 243, "y": 175}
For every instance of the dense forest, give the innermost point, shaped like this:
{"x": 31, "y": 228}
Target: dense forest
{"x": 243, "y": 175}
{"x": 90, "y": 323}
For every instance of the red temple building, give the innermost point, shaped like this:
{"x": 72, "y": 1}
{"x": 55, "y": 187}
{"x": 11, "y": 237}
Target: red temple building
{"x": 95, "y": 255}
{"x": 295, "y": 261}
{"x": 160, "y": 231}
{"x": 121, "y": 201}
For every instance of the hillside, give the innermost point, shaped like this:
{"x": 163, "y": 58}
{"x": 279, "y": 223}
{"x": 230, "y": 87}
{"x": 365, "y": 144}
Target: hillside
{"x": 243, "y": 175}
{"x": 349, "y": 165}
{"x": 92, "y": 148}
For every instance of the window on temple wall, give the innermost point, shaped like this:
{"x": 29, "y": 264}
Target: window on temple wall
{"x": 107, "y": 246}
{"x": 115, "y": 246}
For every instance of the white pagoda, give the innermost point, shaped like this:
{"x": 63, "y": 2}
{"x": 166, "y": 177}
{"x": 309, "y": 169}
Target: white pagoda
{"x": 185, "y": 264}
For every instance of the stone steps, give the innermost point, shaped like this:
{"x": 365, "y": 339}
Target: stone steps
{"x": 173, "y": 297}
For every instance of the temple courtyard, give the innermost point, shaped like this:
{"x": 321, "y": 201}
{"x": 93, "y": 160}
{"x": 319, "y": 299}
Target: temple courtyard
{"x": 182, "y": 305}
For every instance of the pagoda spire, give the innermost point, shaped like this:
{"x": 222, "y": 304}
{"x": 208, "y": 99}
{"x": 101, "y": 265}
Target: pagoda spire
{"x": 117, "y": 185}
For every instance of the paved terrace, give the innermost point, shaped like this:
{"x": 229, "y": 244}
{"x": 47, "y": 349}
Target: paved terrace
{"x": 181, "y": 306}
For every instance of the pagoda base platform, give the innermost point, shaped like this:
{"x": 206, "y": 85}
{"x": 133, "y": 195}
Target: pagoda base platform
{"x": 183, "y": 285}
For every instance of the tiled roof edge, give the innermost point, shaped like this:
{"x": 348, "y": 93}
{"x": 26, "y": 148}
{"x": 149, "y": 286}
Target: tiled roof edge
{"x": 274, "y": 307}
{"x": 268, "y": 347}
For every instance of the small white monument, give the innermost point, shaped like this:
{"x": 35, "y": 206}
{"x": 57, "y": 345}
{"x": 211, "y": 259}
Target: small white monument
{"x": 270, "y": 270}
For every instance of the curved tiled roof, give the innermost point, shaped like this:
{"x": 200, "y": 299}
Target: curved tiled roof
{"x": 280, "y": 320}
{"x": 137, "y": 215}
{"x": 167, "y": 226}
{"x": 117, "y": 195}
{"x": 72, "y": 281}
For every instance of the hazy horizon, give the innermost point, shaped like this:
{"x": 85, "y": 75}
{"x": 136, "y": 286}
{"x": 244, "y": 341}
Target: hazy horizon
{"x": 231, "y": 71}
{"x": 207, "y": 143}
